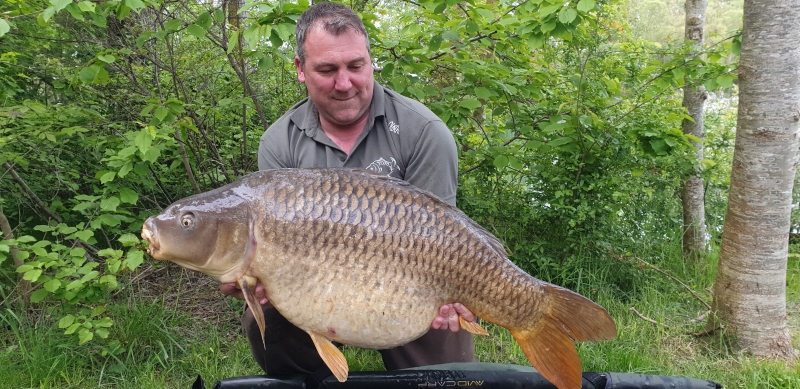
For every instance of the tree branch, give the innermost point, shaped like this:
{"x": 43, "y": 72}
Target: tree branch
{"x": 91, "y": 251}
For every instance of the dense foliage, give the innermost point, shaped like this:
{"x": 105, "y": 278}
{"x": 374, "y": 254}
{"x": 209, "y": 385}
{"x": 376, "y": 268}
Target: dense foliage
{"x": 569, "y": 127}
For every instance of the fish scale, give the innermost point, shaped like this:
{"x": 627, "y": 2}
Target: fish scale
{"x": 367, "y": 260}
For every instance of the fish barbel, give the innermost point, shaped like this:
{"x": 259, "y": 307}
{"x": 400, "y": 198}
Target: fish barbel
{"x": 367, "y": 260}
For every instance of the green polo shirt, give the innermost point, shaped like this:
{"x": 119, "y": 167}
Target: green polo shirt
{"x": 402, "y": 138}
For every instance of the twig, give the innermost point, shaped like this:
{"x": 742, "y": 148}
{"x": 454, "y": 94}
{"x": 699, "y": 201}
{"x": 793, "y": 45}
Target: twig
{"x": 31, "y": 194}
{"x": 645, "y": 318}
{"x": 91, "y": 251}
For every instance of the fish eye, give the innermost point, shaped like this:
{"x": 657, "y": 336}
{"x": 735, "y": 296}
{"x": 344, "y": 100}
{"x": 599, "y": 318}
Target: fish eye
{"x": 187, "y": 221}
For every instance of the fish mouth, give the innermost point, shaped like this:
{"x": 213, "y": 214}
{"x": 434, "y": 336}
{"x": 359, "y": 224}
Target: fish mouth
{"x": 150, "y": 237}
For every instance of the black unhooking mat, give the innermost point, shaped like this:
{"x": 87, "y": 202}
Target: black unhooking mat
{"x": 459, "y": 376}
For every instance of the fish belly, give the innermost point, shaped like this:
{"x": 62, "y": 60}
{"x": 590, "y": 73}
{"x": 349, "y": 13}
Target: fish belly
{"x": 361, "y": 303}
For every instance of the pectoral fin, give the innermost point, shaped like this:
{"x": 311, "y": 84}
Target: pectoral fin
{"x": 331, "y": 355}
{"x": 472, "y": 327}
{"x": 249, "y": 291}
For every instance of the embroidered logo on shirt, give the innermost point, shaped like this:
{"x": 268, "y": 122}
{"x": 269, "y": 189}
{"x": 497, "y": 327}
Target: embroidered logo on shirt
{"x": 381, "y": 165}
{"x": 394, "y": 127}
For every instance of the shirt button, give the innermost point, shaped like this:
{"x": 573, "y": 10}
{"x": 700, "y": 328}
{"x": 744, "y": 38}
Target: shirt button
{"x": 342, "y": 159}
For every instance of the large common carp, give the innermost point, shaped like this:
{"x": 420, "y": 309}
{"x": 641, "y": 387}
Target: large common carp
{"x": 367, "y": 260}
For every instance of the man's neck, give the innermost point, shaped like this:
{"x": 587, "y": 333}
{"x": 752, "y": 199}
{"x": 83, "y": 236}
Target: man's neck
{"x": 344, "y": 136}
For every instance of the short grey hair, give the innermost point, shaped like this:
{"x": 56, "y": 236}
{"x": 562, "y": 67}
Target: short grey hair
{"x": 334, "y": 18}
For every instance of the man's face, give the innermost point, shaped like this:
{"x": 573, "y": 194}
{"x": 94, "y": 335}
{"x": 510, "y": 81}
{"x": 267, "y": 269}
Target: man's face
{"x": 338, "y": 75}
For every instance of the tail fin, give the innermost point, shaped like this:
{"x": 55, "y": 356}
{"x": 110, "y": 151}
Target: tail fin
{"x": 550, "y": 345}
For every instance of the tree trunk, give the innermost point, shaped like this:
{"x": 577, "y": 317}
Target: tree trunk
{"x": 694, "y": 97}
{"x": 750, "y": 289}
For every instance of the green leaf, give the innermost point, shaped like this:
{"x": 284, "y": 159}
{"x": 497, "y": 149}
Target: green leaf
{"x": 38, "y": 295}
{"x": 84, "y": 334}
{"x": 219, "y": 16}
{"x": 564, "y": 140}
{"x": 110, "y": 204}
{"x": 547, "y": 10}
{"x": 101, "y": 332}
{"x": 32, "y": 275}
{"x": 128, "y": 196}
{"x": 500, "y": 161}
{"x": 108, "y": 58}
{"x": 134, "y": 259}
{"x": 86, "y": 6}
{"x": 134, "y": 4}
{"x": 128, "y": 239}
{"x": 567, "y": 15}
{"x": 109, "y": 280}
{"x": 24, "y": 268}
{"x": 77, "y": 252}
{"x": 66, "y": 321}
{"x": 152, "y": 154}
{"x": 161, "y": 113}
{"x": 143, "y": 140}
{"x": 173, "y": 25}
{"x": 73, "y": 285}
{"x": 125, "y": 169}
{"x": 204, "y": 20}
{"x": 252, "y": 33}
{"x": 84, "y": 235}
{"x": 725, "y": 80}
{"x": 72, "y": 328}
{"x": 485, "y": 13}
{"x": 266, "y": 62}
{"x": 483, "y": 93}
{"x": 4, "y": 27}
{"x": 5, "y": 248}
{"x": 66, "y": 230}
{"x": 107, "y": 177}
{"x": 113, "y": 266}
{"x": 90, "y": 276}
{"x": 435, "y": 43}
{"x": 87, "y": 75}
{"x": 535, "y": 41}
{"x": 58, "y": 5}
{"x": 470, "y": 103}
{"x": 103, "y": 323}
{"x": 472, "y": 27}
{"x": 586, "y": 5}
{"x": 233, "y": 40}
{"x": 108, "y": 220}
{"x": 196, "y": 30}
{"x": 26, "y": 239}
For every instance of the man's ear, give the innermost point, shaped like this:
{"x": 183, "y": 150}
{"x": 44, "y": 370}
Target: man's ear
{"x": 300, "y": 75}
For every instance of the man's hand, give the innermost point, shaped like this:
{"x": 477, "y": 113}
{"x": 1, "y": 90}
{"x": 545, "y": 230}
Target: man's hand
{"x": 448, "y": 317}
{"x": 232, "y": 289}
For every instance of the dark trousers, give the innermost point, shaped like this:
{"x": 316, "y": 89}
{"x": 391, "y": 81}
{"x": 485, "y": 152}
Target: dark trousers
{"x": 290, "y": 350}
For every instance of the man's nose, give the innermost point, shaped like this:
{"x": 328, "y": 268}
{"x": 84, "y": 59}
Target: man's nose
{"x": 343, "y": 82}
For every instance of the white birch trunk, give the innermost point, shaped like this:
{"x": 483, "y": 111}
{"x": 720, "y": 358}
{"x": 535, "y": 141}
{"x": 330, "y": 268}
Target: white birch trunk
{"x": 694, "y": 210}
{"x": 750, "y": 289}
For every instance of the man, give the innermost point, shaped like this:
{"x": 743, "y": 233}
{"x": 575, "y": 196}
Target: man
{"x": 349, "y": 120}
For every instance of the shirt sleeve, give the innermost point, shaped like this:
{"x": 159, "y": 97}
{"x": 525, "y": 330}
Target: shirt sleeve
{"x": 273, "y": 150}
{"x": 433, "y": 165}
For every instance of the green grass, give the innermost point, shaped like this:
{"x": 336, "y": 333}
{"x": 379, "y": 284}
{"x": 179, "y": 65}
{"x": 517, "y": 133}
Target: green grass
{"x": 164, "y": 336}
